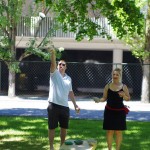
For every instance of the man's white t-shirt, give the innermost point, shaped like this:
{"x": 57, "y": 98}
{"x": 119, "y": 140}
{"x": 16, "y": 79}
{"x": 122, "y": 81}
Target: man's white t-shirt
{"x": 59, "y": 88}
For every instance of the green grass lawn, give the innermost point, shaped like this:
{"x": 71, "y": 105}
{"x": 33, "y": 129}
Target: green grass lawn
{"x": 23, "y": 133}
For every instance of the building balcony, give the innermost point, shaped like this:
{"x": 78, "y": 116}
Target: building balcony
{"x": 26, "y": 31}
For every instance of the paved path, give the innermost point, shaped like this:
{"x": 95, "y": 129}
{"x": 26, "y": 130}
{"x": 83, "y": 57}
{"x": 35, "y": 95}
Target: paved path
{"x": 33, "y": 106}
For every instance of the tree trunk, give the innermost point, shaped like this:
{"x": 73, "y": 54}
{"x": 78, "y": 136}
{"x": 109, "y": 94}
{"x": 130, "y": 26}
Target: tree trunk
{"x": 12, "y": 45}
{"x": 11, "y": 88}
{"x": 145, "y": 97}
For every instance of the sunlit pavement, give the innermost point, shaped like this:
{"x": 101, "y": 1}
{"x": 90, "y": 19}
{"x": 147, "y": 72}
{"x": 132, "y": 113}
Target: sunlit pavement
{"x": 36, "y": 106}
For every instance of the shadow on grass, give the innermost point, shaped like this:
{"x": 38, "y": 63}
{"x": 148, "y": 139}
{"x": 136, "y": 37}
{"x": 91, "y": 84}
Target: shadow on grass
{"x": 22, "y": 133}
{"x": 84, "y": 113}
{"x": 24, "y": 112}
{"x": 137, "y": 136}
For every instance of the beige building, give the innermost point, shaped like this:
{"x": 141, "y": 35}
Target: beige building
{"x": 67, "y": 40}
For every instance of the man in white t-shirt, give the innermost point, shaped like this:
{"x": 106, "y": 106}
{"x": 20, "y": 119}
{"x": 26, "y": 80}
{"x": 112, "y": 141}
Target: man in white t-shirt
{"x": 59, "y": 91}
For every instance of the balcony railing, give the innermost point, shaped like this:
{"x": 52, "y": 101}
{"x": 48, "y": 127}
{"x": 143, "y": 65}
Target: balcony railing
{"x": 28, "y": 28}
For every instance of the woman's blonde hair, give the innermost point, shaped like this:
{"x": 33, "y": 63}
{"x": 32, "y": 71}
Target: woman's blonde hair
{"x": 118, "y": 70}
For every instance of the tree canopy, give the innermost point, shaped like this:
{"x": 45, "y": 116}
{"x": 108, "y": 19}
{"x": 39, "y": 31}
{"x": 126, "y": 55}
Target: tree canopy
{"x": 76, "y": 16}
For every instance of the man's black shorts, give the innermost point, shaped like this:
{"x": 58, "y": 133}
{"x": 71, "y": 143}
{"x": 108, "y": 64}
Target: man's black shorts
{"x": 58, "y": 114}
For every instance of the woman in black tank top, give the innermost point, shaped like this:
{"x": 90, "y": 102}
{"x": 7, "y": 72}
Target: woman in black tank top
{"x": 114, "y": 114}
